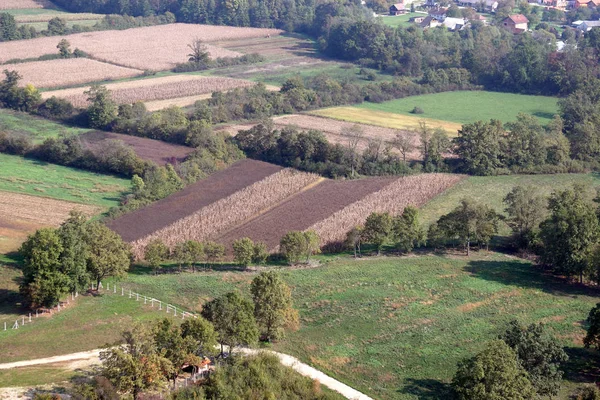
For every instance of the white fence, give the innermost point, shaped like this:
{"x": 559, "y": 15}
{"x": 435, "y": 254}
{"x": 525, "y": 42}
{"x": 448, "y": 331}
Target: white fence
{"x": 159, "y": 305}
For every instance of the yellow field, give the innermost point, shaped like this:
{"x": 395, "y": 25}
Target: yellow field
{"x": 385, "y": 119}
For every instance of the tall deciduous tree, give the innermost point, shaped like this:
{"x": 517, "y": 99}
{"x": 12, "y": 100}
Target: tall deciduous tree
{"x": 108, "y": 255}
{"x": 493, "y": 374}
{"x": 273, "y": 307}
{"x": 203, "y": 333}
{"x": 570, "y": 232}
{"x": 470, "y": 222}
{"x": 102, "y": 110}
{"x": 526, "y": 210}
{"x": 155, "y": 253}
{"x": 233, "y": 318}
{"x": 243, "y": 251}
{"x": 478, "y": 147}
{"x": 378, "y": 229}
{"x": 592, "y": 338}
{"x": 406, "y": 230}
{"x": 296, "y": 245}
{"x": 75, "y": 251}
{"x": 540, "y": 355}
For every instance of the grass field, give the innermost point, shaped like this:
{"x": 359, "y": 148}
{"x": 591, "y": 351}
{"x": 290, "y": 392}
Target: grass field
{"x": 37, "y": 178}
{"x": 394, "y": 328}
{"x": 38, "y": 129}
{"x": 491, "y": 190}
{"x": 470, "y": 106}
{"x": 385, "y": 119}
{"x": 401, "y": 20}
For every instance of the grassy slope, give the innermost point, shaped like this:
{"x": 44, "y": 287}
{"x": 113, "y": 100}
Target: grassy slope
{"x": 37, "y": 128}
{"x": 401, "y": 20}
{"x": 465, "y": 107}
{"x": 37, "y": 178}
{"x": 395, "y": 327}
{"x": 492, "y": 190}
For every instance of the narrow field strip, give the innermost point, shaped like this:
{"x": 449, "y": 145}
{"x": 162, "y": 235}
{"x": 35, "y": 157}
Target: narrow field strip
{"x": 74, "y": 71}
{"x": 156, "y": 89}
{"x": 230, "y": 211}
{"x": 385, "y": 119}
{"x": 23, "y": 4}
{"x": 22, "y": 19}
{"x": 413, "y": 191}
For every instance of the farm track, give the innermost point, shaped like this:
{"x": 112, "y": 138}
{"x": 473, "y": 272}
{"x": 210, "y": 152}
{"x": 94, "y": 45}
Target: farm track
{"x": 301, "y": 212}
{"x": 156, "y": 151}
{"x": 221, "y": 184}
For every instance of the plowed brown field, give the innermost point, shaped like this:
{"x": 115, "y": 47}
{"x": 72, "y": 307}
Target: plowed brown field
{"x": 165, "y": 212}
{"x": 302, "y": 211}
{"x": 21, "y": 214}
{"x": 156, "y": 151}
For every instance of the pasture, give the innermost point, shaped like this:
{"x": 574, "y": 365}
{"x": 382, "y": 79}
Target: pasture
{"x": 36, "y": 128}
{"x": 401, "y": 20}
{"x": 21, "y": 175}
{"x": 394, "y": 328}
{"x": 469, "y": 106}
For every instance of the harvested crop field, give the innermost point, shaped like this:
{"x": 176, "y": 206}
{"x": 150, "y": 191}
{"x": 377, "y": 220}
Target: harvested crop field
{"x": 138, "y": 47}
{"x": 336, "y": 131}
{"x": 26, "y": 18}
{"x": 229, "y": 212}
{"x": 143, "y": 222}
{"x": 74, "y": 71}
{"x": 23, "y": 4}
{"x": 156, "y": 151}
{"x": 168, "y": 87}
{"x": 22, "y": 214}
{"x": 334, "y": 207}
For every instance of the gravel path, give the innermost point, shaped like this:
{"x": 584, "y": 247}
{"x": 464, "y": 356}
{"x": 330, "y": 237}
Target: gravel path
{"x": 289, "y": 361}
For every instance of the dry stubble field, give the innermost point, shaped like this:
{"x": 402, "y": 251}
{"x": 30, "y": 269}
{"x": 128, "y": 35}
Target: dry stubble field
{"x": 74, "y": 71}
{"x": 21, "y": 214}
{"x": 155, "y": 89}
{"x": 148, "y": 48}
{"x": 23, "y": 4}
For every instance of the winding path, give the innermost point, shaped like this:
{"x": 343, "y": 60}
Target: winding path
{"x": 289, "y": 361}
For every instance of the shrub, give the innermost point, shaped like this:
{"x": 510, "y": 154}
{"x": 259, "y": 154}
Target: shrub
{"x": 417, "y": 110}
{"x": 243, "y": 251}
{"x": 260, "y": 253}
{"x": 295, "y": 245}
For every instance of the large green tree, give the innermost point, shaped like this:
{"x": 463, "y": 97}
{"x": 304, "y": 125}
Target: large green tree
{"x": 102, "y": 110}
{"x": 406, "y": 230}
{"x": 273, "y": 306}
{"x": 378, "y": 229}
{"x": 478, "y": 147}
{"x": 75, "y": 251}
{"x": 526, "y": 209}
{"x": 493, "y": 374}
{"x": 108, "y": 255}
{"x": 592, "y": 338}
{"x": 539, "y": 353}
{"x": 296, "y": 245}
{"x": 569, "y": 233}
{"x": 233, "y": 318}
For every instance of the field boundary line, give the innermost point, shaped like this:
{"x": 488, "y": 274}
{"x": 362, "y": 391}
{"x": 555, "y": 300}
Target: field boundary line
{"x": 266, "y": 210}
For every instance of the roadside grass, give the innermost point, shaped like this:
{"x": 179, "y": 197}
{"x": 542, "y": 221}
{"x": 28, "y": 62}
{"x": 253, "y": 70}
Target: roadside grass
{"x": 385, "y": 119}
{"x": 469, "y": 106}
{"x": 37, "y": 375}
{"x": 491, "y": 190}
{"x": 21, "y": 175}
{"x": 38, "y": 129}
{"x": 395, "y": 328}
{"x": 401, "y": 20}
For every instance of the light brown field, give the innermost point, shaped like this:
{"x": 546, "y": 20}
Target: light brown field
{"x": 22, "y": 214}
{"x": 156, "y": 89}
{"x": 147, "y": 48}
{"x": 74, "y": 71}
{"x": 233, "y": 210}
{"x": 336, "y": 131}
{"x": 22, "y": 19}
{"x": 407, "y": 191}
{"x": 21, "y": 4}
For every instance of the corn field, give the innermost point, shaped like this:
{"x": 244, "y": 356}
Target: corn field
{"x": 169, "y": 87}
{"x": 231, "y": 211}
{"x": 73, "y": 71}
{"x": 407, "y": 191}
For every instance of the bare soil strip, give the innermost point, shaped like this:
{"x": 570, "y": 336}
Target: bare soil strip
{"x": 143, "y": 222}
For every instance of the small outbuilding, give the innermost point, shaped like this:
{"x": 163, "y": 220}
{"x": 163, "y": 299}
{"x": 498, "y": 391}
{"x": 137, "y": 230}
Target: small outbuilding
{"x": 398, "y": 9}
{"x": 516, "y": 23}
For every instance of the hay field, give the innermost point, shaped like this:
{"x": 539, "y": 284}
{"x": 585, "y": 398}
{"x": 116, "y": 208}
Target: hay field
{"x": 385, "y": 119}
{"x": 73, "y": 71}
{"x": 155, "y": 89}
{"x": 22, "y": 214}
{"x": 229, "y": 212}
{"x": 23, "y": 4}
{"x": 336, "y": 131}
{"x": 147, "y": 48}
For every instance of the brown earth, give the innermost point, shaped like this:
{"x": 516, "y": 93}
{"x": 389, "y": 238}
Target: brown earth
{"x": 143, "y": 222}
{"x": 304, "y": 210}
{"x": 156, "y": 151}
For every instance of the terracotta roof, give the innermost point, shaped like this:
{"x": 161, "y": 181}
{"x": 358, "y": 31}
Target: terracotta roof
{"x": 518, "y": 18}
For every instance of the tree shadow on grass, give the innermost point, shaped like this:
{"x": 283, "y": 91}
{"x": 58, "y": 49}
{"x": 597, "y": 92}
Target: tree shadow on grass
{"x": 525, "y": 275}
{"x": 427, "y": 389}
{"x": 583, "y": 365}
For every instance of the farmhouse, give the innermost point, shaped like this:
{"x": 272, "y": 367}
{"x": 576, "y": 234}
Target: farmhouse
{"x": 438, "y": 13}
{"x": 429, "y": 22}
{"x": 516, "y": 23}
{"x": 398, "y": 9}
{"x": 586, "y": 3}
{"x": 586, "y": 26}
{"x": 455, "y": 24}
{"x": 480, "y": 5}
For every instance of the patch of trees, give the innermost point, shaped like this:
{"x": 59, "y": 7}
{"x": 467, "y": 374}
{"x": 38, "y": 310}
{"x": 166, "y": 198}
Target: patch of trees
{"x": 199, "y": 59}
{"x": 65, "y": 260}
{"x": 187, "y": 254}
